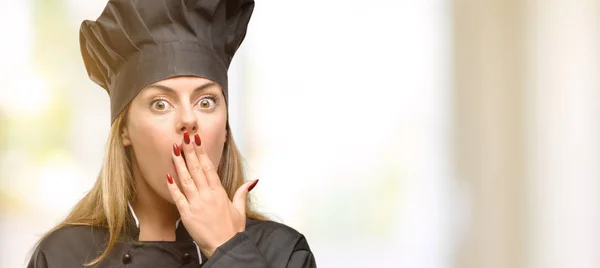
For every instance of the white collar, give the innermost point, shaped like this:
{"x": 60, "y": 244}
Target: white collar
{"x": 137, "y": 224}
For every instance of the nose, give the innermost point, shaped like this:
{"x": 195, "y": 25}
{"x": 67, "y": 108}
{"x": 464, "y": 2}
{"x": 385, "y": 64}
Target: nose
{"x": 187, "y": 121}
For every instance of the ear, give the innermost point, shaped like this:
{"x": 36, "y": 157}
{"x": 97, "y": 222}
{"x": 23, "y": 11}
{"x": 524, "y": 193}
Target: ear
{"x": 125, "y": 137}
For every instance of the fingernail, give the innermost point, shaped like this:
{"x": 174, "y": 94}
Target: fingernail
{"x": 176, "y": 150}
{"x": 169, "y": 178}
{"x": 252, "y": 185}
{"x": 197, "y": 139}
{"x": 186, "y": 137}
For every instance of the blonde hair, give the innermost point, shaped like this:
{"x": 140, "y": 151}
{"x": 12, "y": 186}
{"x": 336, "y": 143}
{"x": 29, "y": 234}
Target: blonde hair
{"x": 106, "y": 204}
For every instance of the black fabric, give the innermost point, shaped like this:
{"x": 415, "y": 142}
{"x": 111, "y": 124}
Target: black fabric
{"x": 263, "y": 244}
{"x": 135, "y": 43}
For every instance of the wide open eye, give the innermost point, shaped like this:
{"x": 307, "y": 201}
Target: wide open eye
{"x": 160, "y": 105}
{"x": 207, "y": 102}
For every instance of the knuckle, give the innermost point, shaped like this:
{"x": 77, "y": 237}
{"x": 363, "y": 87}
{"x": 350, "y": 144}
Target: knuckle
{"x": 180, "y": 199}
{"x": 208, "y": 168}
{"x": 196, "y": 208}
{"x": 195, "y": 169}
{"x": 206, "y": 195}
{"x": 187, "y": 181}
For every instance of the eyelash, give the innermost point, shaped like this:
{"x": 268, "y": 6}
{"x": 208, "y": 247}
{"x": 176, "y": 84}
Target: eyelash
{"x": 214, "y": 98}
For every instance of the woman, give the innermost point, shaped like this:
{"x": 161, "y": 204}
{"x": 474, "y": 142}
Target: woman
{"x": 171, "y": 192}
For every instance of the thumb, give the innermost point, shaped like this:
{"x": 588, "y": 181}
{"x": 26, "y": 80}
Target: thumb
{"x": 239, "y": 199}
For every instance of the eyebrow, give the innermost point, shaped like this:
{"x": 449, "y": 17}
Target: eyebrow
{"x": 171, "y": 90}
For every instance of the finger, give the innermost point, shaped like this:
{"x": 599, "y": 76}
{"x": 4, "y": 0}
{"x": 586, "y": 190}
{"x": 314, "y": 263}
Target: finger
{"x": 186, "y": 182}
{"x": 239, "y": 199}
{"x": 193, "y": 164}
{"x": 210, "y": 172}
{"x": 178, "y": 198}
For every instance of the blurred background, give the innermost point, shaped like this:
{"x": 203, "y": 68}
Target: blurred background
{"x": 392, "y": 133}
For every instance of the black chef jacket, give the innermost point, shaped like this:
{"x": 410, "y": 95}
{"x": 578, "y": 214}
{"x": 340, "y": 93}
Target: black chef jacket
{"x": 263, "y": 244}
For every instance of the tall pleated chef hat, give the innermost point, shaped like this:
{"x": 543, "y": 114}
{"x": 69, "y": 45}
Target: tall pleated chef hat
{"x": 135, "y": 43}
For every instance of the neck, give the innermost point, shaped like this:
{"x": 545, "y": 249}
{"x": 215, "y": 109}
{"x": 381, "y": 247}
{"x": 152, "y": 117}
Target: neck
{"x": 157, "y": 217}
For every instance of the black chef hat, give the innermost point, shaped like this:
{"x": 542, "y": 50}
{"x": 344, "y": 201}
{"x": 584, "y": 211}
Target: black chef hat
{"x": 135, "y": 43}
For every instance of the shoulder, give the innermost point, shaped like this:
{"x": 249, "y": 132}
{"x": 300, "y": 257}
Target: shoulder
{"x": 73, "y": 237}
{"x": 274, "y": 233}
{"x": 69, "y": 245}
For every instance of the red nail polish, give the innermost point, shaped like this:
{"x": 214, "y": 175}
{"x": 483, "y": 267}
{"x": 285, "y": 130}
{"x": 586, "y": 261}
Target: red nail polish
{"x": 197, "y": 139}
{"x": 252, "y": 185}
{"x": 186, "y": 137}
{"x": 176, "y": 149}
{"x": 169, "y": 178}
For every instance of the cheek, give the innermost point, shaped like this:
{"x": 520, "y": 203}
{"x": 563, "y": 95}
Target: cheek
{"x": 149, "y": 142}
{"x": 213, "y": 140}
{"x": 152, "y": 150}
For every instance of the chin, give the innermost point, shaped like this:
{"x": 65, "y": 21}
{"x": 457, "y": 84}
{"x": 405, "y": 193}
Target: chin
{"x": 158, "y": 190}
{"x": 169, "y": 199}
{"x": 166, "y": 195}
